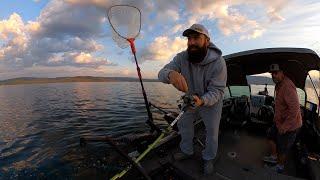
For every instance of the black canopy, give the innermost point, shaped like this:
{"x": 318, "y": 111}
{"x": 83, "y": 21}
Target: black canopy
{"x": 296, "y": 63}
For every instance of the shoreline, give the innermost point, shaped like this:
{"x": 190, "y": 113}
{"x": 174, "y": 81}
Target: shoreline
{"x": 21, "y": 81}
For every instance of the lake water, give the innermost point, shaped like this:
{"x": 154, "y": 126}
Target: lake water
{"x": 40, "y": 125}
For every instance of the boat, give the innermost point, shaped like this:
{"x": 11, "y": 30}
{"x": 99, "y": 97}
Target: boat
{"x": 242, "y": 135}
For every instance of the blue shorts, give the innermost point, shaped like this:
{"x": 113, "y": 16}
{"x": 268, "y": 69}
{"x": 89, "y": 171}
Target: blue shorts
{"x": 284, "y": 141}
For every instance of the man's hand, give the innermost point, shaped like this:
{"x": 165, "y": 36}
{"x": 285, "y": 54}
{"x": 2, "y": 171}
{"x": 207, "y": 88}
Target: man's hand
{"x": 281, "y": 130}
{"x": 178, "y": 81}
{"x": 198, "y": 101}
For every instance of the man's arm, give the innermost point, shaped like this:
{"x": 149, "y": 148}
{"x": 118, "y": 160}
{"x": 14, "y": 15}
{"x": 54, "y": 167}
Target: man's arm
{"x": 216, "y": 85}
{"x": 170, "y": 74}
{"x": 174, "y": 65}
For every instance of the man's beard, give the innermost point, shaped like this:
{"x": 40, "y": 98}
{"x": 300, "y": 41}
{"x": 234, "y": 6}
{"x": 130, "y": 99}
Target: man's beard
{"x": 276, "y": 81}
{"x": 197, "y": 55}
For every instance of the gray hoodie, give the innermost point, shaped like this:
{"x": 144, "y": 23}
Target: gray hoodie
{"x": 207, "y": 78}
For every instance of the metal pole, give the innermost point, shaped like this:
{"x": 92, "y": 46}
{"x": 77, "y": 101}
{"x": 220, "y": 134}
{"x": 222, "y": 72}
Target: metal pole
{"x": 315, "y": 89}
{"x": 150, "y": 118}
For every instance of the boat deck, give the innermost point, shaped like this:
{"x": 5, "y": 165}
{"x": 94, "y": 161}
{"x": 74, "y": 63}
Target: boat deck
{"x": 246, "y": 164}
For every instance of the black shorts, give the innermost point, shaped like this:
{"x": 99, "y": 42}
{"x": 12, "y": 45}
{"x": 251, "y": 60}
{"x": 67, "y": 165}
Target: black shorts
{"x": 284, "y": 141}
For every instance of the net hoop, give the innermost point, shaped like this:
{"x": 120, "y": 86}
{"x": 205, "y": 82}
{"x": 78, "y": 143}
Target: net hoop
{"x": 125, "y": 21}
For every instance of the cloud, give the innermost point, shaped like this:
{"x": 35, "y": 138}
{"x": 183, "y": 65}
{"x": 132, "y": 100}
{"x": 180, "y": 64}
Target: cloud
{"x": 145, "y": 6}
{"x": 68, "y": 32}
{"x": 33, "y": 27}
{"x": 274, "y": 15}
{"x": 274, "y": 8}
{"x": 55, "y": 45}
{"x": 14, "y": 25}
{"x": 229, "y": 18}
{"x": 63, "y": 34}
{"x": 237, "y": 23}
{"x": 163, "y": 49}
{"x": 81, "y": 59}
{"x": 177, "y": 28}
{"x": 300, "y": 25}
{"x": 59, "y": 19}
{"x": 232, "y": 23}
{"x": 99, "y": 3}
{"x": 14, "y": 37}
{"x": 256, "y": 33}
{"x": 167, "y": 12}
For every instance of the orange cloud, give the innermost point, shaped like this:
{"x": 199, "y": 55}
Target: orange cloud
{"x": 163, "y": 48}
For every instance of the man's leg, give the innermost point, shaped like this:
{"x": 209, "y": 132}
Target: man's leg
{"x": 282, "y": 156}
{"x": 286, "y": 142}
{"x": 211, "y": 118}
{"x": 186, "y": 130}
{"x": 272, "y": 135}
{"x": 282, "y": 159}
{"x": 273, "y": 148}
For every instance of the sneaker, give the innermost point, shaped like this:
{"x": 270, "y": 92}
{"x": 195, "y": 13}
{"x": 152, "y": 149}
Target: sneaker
{"x": 181, "y": 156}
{"x": 208, "y": 166}
{"x": 270, "y": 159}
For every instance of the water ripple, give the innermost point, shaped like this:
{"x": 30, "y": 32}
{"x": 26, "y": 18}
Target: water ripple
{"x": 41, "y": 125}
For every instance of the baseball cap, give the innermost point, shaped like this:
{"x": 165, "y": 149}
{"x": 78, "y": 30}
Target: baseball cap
{"x": 274, "y": 67}
{"x": 196, "y": 28}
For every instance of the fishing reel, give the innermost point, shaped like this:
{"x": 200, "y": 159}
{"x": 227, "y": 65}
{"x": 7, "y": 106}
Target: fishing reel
{"x": 187, "y": 100}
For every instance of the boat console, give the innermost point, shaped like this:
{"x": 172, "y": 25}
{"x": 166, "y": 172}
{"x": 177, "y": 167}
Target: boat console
{"x": 262, "y": 109}
{"x": 236, "y": 111}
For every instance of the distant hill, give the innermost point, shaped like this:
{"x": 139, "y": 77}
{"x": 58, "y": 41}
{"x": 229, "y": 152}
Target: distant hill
{"x": 31, "y": 80}
{"x": 262, "y": 80}
{"x": 258, "y": 80}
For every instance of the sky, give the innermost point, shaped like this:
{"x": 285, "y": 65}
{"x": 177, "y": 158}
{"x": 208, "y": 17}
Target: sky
{"x": 58, "y": 38}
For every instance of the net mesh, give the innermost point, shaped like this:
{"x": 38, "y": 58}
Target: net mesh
{"x": 125, "y": 22}
{"x": 121, "y": 42}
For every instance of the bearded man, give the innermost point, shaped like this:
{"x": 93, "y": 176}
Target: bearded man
{"x": 201, "y": 71}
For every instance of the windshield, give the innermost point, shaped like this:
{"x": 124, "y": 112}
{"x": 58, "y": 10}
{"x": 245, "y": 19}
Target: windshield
{"x": 261, "y": 84}
{"x": 237, "y": 91}
{"x": 312, "y": 90}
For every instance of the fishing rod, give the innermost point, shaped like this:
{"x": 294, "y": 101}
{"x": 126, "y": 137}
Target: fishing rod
{"x": 188, "y": 102}
{"x": 158, "y": 108}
